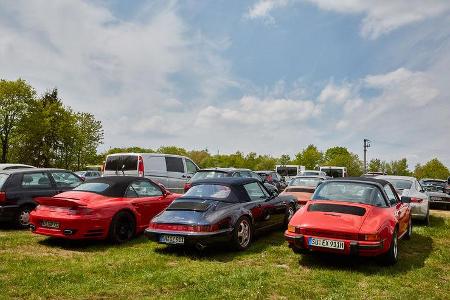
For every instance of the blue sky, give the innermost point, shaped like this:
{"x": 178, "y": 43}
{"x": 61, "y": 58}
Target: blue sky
{"x": 269, "y": 76}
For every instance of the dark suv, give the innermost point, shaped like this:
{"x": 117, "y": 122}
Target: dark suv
{"x": 19, "y": 187}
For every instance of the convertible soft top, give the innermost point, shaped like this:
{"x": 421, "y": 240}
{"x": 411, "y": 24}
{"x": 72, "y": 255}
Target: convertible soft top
{"x": 117, "y": 184}
{"x": 381, "y": 182}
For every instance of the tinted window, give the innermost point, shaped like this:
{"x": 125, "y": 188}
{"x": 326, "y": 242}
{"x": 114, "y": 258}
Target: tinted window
{"x": 95, "y": 187}
{"x": 287, "y": 171}
{"x": 208, "y": 191}
{"x": 347, "y": 191}
{"x": 121, "y": 162}
{"x": 208, "y": 174}
{"x": 174, "y": 164}
{"x": 65, "y": 179}
{"x": 36, "y": 180}
{"x": 145, "y": 189}
{"x": 255, "y": 192}
{"x": 333, "y": 172}
{"x": 190, "y": 166}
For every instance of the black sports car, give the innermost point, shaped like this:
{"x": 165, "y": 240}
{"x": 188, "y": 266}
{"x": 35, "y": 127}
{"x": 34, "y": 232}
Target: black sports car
{"x": 221, "y": 210}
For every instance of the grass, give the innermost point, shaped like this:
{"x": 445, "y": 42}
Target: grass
{"x": 36, "y": 267}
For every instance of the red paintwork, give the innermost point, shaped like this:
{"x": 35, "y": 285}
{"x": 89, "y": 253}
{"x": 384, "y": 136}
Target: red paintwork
{"x": 302, "y": 197}
{"x": 97, "y": 213}
{"x": 350, "y": 228}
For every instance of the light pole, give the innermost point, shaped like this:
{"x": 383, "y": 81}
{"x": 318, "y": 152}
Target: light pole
{"x": 366, "y": 145}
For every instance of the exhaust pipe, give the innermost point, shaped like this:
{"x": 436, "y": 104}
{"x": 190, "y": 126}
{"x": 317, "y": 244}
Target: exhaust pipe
{"x": 32, "y": 227}
{"x": 68, "y": 232}
{"x": 200, "y": 246}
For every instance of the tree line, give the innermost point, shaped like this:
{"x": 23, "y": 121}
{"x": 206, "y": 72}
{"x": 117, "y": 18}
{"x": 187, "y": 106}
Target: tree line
{"x": 42, "y": 131}
{"x": 310, "y": 157}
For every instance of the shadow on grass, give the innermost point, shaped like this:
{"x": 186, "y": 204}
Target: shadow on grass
{"x": 224, "y": 252}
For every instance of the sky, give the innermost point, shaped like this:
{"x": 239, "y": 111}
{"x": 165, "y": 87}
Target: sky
{"x": 265, "y": 76}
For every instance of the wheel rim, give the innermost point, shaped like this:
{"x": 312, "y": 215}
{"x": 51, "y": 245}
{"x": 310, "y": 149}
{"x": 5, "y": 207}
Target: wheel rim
{"x": 243, "y": 233}
{"x": 24, "y": 217}
{"x": 290, "y": 213}
{"x": 124, "y": 229}
{"x": 395, "y": 244}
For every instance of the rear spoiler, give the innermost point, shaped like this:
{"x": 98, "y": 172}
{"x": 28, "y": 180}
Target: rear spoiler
{"x": 59, "y": 202}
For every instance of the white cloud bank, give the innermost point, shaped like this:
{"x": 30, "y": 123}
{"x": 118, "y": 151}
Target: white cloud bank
{"x": 263, "y": 8}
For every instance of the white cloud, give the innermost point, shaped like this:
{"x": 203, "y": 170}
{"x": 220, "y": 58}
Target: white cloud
{"x": 263, "y": 8}
{"x": 384, "y": 16}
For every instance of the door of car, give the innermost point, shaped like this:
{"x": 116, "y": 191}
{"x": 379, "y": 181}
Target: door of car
{"x": 148, "y": 199}
{"x": 25, "y": 187}
{"x": 176, "y": 175}
{"x": 400, "y": 209}
{"x": 262, "y": 209}
{"x": 65, "y": 181}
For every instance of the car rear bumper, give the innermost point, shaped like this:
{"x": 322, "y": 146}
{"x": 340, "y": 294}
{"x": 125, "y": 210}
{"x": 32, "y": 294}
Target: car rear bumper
{"x": 8, "y": 212}
{"x": 70, "y": 227}
{"x": 419, "y": 210}
{"x": 351, "y": 247}
{"x": 192, "y": 238}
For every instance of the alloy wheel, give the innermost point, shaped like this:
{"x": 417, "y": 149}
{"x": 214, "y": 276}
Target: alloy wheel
{"x": 243, "y": 233}
{"x": 394, "y": 241}
{"x": 24, "y": 217}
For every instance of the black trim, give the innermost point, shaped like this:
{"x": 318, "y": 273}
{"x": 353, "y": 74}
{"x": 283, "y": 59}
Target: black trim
{"x": 337, "y": 208}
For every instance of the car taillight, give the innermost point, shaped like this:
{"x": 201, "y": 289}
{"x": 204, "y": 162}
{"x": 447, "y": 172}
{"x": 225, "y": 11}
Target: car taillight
{"x": 416, "y": 200}
{"x": 77, "y": 211}
{"x": 187, "y": 186}
{"x": 369, "y": 237}
{"x": 2, "y": 196}
{"x": 191, "y": 228}
{"x": 295, "y": 229}
{"x": 140, "y": 166}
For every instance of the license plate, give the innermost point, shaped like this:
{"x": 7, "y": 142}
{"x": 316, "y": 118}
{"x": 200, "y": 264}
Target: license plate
{"x": 332, "y": 244}
{"x": 50, "y": 224}
{"x": 171, "y": 239}
{"x": 436, "y": 199}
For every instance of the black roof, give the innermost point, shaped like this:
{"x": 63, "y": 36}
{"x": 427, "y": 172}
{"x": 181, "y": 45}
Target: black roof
{"x": 361, "y": 179}
{"x": 223, "y": 170}
{"x": 117, "y": 184}
{"x": 31, "y": 170}
{"x": 226, "y": 181}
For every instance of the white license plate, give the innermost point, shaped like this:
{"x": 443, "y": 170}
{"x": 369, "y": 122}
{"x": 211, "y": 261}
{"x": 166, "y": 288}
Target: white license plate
{"x": 50, "y": 224}
{"x": 171, "y": 239}
{"x": 332, "y": 244}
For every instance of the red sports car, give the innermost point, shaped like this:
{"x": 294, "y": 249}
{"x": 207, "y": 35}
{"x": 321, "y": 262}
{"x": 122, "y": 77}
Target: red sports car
{"x": 360, "y": 216}
{"x": 116, "y": 207}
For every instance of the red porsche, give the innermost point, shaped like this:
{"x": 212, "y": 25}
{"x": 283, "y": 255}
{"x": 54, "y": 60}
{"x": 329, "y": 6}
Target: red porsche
{"x": 352, "y": 216}
{"x": 116, "y": 207}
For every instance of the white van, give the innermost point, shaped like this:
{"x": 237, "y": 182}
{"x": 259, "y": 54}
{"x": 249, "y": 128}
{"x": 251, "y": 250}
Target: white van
{"x": 333, "y": 171}
{"x": 170, "y": 170}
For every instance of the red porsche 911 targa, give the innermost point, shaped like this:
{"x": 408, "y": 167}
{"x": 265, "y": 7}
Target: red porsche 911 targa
{"x": 115, "y": 207}
{"x": 352, "y": 216}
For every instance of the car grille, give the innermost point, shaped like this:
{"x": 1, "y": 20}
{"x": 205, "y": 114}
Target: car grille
{"x": 338, "y": 208}
{"x": 304, "y": 190}
{"x": 331, "y": 234}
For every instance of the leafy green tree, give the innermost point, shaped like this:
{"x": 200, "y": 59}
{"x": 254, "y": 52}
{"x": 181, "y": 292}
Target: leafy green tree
{"x": 285, "y": 159}
{"x": 341, "y": 157}
{"x": 432, "y": 169}
{"x": 310, "y": 157}
{"x": 15, "y": 97}
{"x": 88, "y": 137}
{"x": 399, "y": 167}
{"x": 172, "y": 150}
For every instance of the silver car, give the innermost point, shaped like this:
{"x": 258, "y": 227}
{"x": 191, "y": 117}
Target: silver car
{"x": 410, "y": 187}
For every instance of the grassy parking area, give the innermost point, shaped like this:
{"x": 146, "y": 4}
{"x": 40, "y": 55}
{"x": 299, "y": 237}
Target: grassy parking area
{"x": 35, "y": 267}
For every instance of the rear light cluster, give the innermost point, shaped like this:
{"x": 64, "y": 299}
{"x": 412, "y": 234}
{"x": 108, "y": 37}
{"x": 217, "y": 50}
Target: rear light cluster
{"x": 191, "y": 228}
{"x": 2, "y": 197}
{"x": 368, "y": 237}
{"x": 140, "y": 166}
{"x": 294, "y": 229}
{"x": 322, "y": 233}
{"x": 78, "y": 211}
{"x": 187, "y": 186}
{"x": 416, "y": 200}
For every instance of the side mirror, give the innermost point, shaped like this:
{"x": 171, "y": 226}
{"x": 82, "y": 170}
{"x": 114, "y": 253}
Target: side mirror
{"x": 405, "y": 199}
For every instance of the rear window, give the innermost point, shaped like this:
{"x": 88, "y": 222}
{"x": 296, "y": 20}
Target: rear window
{"x": 94, "y": 187}
{"x": 310, "y": 182}
{"x": 287, "y": 171}
{"x": 121, "y": 163}
{"x": 3, "y": 178}
{"x": 400, "y": 184}
{"x": 208, "y": 174}
{"x": 215, "y": 191}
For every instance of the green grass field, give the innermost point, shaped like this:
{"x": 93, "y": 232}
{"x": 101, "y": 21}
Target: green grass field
{"x": 35, "y": 267}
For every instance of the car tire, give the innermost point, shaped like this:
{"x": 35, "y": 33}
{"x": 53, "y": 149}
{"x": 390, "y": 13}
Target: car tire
{"x": 391, "y": 257}
{"x": 23, "y": 216}
{"x": 289, "y": 214}
{"x": 122, "y": 228}
{"x": 242, "y": 233}
{"x": 408, "y": 233}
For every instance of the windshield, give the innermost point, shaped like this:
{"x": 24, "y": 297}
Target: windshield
{"x": 121, "y": 162}
{"x": 208, "y": 174}
{"x": 94, "y": 187}
{"x": 287, "y": 171}
{"x": 400, "y": 184}
{"x": 433, "y": 182}
{"x": 215, "y": 191}
{"x": 312, "y": 182}
{"x": 349, "y": 192}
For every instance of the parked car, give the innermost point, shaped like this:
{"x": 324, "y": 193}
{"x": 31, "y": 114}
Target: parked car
{"x": 302, "y": 187}
{"x": 173, "y": 171}
{"x": 227, "y": 172}
{"x": 108, "y": 207}
{"x": 334, "y": 172}
{"x": 88, "y": 174}
{"x": 352, "y": 216}
{"x": 20, "y": 187}
{"x": 373, "y": 174}
{"x": 436, "y": 190}
{"x": 221, "y": 210}
{"x": 14, "y": 166}
{"x": 312, "y": 173}
{"x": 273, "y": 178}
{"x": 409, "y": 186}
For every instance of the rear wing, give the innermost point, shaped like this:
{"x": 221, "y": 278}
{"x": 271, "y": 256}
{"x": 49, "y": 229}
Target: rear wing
{"x": 59, "y": 202}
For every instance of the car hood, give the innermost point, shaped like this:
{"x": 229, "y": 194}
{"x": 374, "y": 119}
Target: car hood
{"x": 332, "y": 215}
